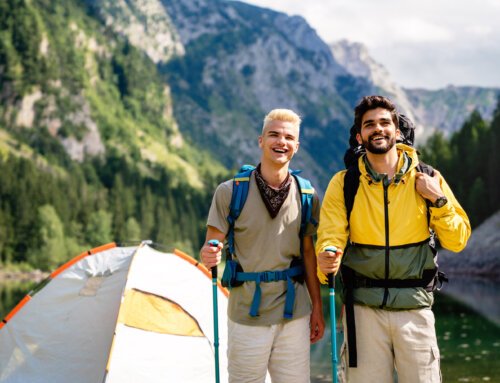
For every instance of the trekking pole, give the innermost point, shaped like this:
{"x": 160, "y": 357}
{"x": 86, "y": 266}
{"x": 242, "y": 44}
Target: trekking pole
{"x": 333, "y": 319}
{"x": 215, "y": 243}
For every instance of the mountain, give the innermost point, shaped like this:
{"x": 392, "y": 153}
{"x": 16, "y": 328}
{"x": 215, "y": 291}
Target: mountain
{"x": 241, "y": 61}
{"x": 432, "y": 110}
{"x": 233, "y": 62}
{"x": 356, "y": 59}
{"x": 91, "y": 91}
{"x": 145, "y": 24}
{"x": 447, "y": 109}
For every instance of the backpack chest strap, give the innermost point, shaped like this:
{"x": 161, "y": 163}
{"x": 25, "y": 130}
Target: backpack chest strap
{"x": 272, "y": 276}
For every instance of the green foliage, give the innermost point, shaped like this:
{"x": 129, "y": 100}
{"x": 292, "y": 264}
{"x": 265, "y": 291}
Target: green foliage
{"x": 22, "y": 25}
{"x": 493, "y": 166}
{"x": 53, "y": 208}
{"x": 11, "y": 293}
{"x": 477, "y": 200}
{"x": 11, "y": 69}
{"x": 437, "y": 151}
{"x": 51, "y": 251}
{"x": 469, "y": 161}
{"x": 132, "y": 230}
{"x": 98, "y": 230}
{"x": 44, "y": 219}
{"x": 138, "y": 82}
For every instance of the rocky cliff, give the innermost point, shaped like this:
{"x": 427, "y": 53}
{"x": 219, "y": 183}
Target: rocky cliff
{"x": 481, "y": 257}
{"x": 240, "y": 62}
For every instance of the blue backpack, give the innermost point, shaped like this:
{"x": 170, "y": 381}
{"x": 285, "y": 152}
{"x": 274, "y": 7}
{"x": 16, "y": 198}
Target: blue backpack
{"x": 234, "y": 275}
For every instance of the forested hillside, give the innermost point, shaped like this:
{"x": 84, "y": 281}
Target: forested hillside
{"x": 89, "y": 149}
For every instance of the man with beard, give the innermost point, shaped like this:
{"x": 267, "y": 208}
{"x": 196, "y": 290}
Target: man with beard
{"x": 388, "y": 266}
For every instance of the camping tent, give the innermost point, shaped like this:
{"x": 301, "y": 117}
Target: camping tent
{"x": 117, "y": 314}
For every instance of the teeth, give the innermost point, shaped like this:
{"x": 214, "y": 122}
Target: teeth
{"x": 279, "y": 150}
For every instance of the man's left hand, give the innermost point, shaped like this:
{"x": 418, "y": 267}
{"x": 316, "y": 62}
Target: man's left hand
{"x": 317, "y": 324}
{"x": 428, "y": 187}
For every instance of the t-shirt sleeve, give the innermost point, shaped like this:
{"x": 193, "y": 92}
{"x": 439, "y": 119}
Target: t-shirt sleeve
{"x": 219, "y": 209}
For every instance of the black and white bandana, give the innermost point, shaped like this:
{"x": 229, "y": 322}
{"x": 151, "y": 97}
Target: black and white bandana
{"x": 273, "y": 198}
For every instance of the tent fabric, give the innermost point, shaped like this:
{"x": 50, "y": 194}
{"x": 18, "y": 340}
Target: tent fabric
{"x": 152, "y": 313}
{"x": 98, "y": 319}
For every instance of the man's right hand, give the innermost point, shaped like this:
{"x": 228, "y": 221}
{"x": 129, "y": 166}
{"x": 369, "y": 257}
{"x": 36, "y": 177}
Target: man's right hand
{"x": 329, "y": 262}
{"x": 211, "y": 255}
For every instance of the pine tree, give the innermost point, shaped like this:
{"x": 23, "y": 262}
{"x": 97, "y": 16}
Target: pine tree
{"x": 132, "y": 231}
{"x": 493, "y": 165}
{"x": 52, "y": 251}
{"x": 477, "y": 202}
{"x": 98, "y": 231}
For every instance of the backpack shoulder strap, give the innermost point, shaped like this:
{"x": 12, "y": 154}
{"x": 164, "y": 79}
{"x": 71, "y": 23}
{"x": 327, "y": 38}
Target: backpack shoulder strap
{"x": 422, "y": 167}
{"x": 241, "y": 183}
{"x": 351, "y": 185}
{"x": 306, "y": 198}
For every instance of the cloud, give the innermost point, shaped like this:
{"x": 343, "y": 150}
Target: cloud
{"x": 411, "y": 30}
{"x": 445, "y": 41}
{"x": 479, "y": 30}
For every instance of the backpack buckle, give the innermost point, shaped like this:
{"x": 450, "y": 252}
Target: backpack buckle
{"x": 271, "y": 276}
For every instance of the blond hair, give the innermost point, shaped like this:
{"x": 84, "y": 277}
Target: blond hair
{"x": 285, "y": 115}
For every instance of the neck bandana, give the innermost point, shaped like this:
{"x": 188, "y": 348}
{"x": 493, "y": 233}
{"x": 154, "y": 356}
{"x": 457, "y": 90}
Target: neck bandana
{"x": 273, "y": 198}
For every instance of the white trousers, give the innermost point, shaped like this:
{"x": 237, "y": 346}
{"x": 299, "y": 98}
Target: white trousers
{"x": 404, "y": 341}
{"x": 282, "y": 349}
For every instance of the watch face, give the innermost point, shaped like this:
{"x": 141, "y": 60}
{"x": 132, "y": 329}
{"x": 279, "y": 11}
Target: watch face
{"x": 440, "y": 202}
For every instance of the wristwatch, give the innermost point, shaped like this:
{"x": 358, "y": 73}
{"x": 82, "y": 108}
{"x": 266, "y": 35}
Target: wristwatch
{"x": 440, "y": 202}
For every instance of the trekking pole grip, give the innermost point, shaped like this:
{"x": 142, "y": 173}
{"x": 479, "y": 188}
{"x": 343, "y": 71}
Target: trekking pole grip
{"x": 214, "y": 243}
{"x": 331, "y": 278}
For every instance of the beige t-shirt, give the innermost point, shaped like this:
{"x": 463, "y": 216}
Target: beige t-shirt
{"x": 262, "y": 244}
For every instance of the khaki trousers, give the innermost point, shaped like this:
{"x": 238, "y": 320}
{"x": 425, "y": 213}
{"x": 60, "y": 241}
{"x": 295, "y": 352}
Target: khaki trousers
{"x": 404, "y": 341}
{"x": 283, "y": 349}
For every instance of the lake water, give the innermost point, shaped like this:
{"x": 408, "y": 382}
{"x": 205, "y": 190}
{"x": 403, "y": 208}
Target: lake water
{"x": 467, "y": 315}
{"x": 467, "y": 323}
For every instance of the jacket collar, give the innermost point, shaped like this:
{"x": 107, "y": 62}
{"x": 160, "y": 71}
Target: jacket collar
{"x": 407, "y": 159}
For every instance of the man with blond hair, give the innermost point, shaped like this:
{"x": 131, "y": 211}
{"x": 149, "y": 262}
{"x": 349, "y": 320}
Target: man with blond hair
{"x": 273, "y": 337}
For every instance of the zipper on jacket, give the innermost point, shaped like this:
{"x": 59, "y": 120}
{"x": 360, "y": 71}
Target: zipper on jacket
{"x": 386, "y": 182}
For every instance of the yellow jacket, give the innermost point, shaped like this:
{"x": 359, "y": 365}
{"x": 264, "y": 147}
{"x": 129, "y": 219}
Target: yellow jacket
{"x": 408, "y": 254}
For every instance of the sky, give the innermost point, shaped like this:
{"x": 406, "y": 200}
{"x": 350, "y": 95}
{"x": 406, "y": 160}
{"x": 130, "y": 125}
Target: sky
{"x": 423, "y": 44}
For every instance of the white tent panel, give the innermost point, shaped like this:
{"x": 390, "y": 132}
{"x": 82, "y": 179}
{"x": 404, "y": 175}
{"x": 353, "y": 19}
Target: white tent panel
{"x": 142, "y": 356}
{"x": 61, "y": 333}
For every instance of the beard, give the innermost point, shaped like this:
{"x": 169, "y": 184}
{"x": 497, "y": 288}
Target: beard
{"x": 372, "y": 148}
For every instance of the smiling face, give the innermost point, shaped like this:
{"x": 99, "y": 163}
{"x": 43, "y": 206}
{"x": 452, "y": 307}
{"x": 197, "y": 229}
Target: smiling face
{"x": 279, "y": 142}
{"x": 378, "y": 133}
